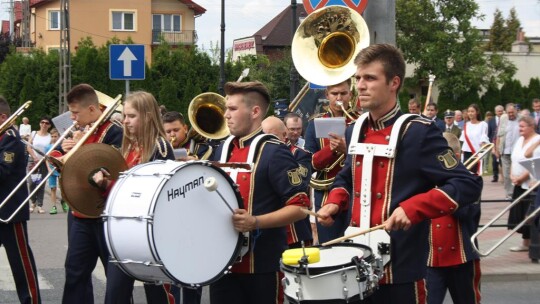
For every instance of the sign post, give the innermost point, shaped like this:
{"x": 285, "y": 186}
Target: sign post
{"x": 126, "y": 62}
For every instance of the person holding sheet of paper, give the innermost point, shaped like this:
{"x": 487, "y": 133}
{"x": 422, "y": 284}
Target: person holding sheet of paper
{"x": 329, "y": 151}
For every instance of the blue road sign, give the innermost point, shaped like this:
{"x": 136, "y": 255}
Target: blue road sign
{"x": 126, "y": 62}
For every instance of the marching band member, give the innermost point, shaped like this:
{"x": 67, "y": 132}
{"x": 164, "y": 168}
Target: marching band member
{"x": 144, "y": 140}
{"x": 300, "y": 231}
{"x": 86, "y": 241}
{"x": 272, "y": 194}
{"x": 176, "y": 130}
{"x": 422, "y": 180}
{"x": 14, "y": 235}
{"x": 329, "y": 155}
{"x": 453, "y": 264}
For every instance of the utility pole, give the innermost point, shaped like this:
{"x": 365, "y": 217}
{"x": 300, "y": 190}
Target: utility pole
{"x": 294, "y": 74}
{"x": 64, "y": 63}
{"x": 221, "y": 87}
{"x": 25, "y": 23}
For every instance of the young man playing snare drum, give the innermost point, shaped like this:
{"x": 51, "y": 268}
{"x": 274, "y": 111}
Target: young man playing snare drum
{"x": 273, "y": 194}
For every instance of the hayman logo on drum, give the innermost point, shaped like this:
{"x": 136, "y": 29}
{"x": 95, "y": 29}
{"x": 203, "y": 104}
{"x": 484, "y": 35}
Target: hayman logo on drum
{"x": 174, "y": 193}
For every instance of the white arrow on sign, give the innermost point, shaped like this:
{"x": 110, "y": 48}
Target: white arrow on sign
{"x": 127, "y": 57}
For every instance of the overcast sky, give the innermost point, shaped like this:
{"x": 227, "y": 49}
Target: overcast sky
{"x": 245, "y": 17}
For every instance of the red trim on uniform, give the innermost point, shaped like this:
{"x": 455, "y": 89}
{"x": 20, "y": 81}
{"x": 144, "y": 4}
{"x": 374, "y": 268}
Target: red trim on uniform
{"x": 29, "y": 272}
{"x": 280, "y": 292}
{"x": 170, "y": 297}
{"x": 476, "y": 280}
{"x": 421, "y": 292}
{"x": 431, "y": 204}
{"x": 299, "y": 199}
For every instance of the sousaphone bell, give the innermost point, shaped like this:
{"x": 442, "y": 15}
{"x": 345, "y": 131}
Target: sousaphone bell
{"x": 326, "y": 43}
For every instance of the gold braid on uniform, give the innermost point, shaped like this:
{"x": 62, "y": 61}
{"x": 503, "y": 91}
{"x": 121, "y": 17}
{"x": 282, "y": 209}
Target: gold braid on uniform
{"x": 161, "y": 146}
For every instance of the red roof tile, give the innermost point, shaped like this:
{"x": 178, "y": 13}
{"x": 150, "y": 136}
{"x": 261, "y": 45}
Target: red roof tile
{"x": 197, "y": 9}
{"x": 278, "y": 32}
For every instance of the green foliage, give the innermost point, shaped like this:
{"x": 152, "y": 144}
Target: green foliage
{"x": 503, "y": 32}
{"x": 438, "y": 38}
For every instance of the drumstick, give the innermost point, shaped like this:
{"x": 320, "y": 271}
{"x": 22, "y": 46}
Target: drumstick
{"x": 309, "y": 212}
{"x": 211, "y": 185}
{"x": 346, "y": 237}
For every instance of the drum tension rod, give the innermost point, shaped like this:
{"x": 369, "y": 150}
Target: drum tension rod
{"x": 211, "y": 185}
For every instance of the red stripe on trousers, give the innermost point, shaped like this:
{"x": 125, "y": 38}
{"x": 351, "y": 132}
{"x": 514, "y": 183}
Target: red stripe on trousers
{"x": 28, "y": 270}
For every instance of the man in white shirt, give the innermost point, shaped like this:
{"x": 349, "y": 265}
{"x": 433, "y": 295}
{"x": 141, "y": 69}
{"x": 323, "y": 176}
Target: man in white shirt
{"x": 507, "y": 135}
{"x": 293, "y": 122}
{"x": 536, "y": 114}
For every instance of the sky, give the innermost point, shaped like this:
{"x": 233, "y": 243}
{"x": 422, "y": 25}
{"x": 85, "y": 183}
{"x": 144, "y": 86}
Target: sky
{"x": 245, "y": 17}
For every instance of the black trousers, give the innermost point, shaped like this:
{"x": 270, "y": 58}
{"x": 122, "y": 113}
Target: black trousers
{"x": 406, "y": 293}
{"x": 257, "y": 288}
{"x": 462, "y": 281}
{"x": 14, "y": 238}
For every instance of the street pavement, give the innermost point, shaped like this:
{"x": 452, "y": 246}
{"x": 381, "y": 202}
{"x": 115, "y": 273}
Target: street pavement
{"x": 507, "y": 277}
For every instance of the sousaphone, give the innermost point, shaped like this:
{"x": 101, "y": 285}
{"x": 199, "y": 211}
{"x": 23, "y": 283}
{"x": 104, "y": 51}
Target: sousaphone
{"x": 326, "y": 43}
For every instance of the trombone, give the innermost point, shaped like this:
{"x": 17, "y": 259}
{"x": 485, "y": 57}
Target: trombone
{"x": 36, "y": 166}
{"x": 14, "y": 116}
{"x": 476, "y": 157}
{"x": 528, "y": 218}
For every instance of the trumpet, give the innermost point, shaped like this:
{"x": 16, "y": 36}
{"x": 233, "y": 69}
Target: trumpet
{"x": 46, "y": 156}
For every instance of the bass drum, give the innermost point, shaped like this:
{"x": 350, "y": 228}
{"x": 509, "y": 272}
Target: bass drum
{"x": 163, "y": 225}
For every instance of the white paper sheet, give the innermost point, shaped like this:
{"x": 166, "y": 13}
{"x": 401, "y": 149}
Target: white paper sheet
{"x": 335, "y": 125}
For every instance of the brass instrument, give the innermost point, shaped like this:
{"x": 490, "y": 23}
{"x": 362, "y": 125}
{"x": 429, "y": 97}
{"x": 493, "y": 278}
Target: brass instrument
{"x": 76, "y": 174}
{"x": 206, "y": 114}
{"x": 11, "y": 119}
{"x": 502, "y": 240}
{"x": 326, "y": 42}
{"x": 476, "y": 157}
{"x": 22, "y": 183}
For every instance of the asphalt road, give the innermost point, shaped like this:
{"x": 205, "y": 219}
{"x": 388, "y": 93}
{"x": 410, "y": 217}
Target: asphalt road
{"x": 48, "y": 239}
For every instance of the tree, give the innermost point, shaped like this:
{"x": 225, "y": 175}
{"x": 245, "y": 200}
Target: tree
{"x": 438, "y": 37}
{"x": 497, "y": 33}
{"x": 503, "y": 33}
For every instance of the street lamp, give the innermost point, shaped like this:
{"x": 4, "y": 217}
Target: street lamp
{"x": 294, "y": 73}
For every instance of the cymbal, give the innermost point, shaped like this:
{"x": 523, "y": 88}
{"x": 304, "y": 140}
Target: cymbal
{"x": 77, "y": 173}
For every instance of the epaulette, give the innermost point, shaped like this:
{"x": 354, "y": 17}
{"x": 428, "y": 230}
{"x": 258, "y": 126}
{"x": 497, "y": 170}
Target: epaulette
{"x": 317, "y": 115}
{"x": 422, "y": 120}
{"x": 161, "y": 145}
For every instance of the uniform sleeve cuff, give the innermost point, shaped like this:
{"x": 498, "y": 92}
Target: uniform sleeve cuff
{"x": 432, "y": 204}
{"x": 338, "y": 196}
{"x": 300, "y": 199}
{"x": 323, "y": 158}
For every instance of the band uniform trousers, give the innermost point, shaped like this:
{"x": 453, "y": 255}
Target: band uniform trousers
{"x": 406, "y": 293}
{"x": 81, "y": 258}
{"x": 120, "y": 289}
{"x": 463, "y": 282}
{"x": 254, "y": 289}
{"x": 14, "y": 238}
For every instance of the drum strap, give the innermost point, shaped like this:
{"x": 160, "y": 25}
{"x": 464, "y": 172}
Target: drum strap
{"x": 369, "y": 152}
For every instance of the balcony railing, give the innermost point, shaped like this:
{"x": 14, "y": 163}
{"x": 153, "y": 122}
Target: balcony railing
{"x": 174, "y": 38}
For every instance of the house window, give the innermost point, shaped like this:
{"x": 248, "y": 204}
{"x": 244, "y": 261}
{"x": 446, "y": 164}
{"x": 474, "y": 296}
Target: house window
{"x": 123, "y": 21}
{"x": 166, "y": 22}
{"x": 54, "y": 20}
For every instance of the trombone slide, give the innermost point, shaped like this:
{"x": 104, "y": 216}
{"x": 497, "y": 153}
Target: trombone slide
{"x": 23, "y": 181}
{"x": 502, "y": 240}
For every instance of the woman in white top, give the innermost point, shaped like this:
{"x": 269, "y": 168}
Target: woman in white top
{"x": 526, "y": 146}
{"x": 474, "y": 135}
{"x": 39, "y": 140}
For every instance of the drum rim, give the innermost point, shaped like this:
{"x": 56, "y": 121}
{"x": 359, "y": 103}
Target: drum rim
{"x": 239, "y": 241}
{"x": 368, "y": 256}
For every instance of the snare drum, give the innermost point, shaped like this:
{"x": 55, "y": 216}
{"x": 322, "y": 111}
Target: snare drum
{"x": 163, "y": 225}
{"x": 343, "y": 274}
